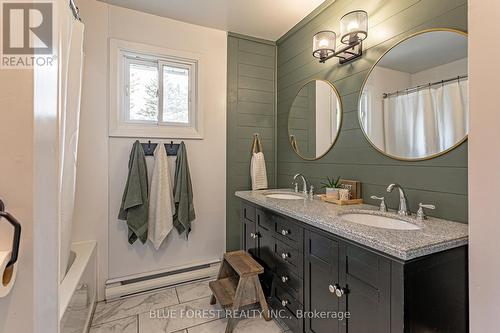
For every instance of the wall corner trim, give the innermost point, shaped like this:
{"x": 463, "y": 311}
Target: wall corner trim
{"x": 251, "y": 38}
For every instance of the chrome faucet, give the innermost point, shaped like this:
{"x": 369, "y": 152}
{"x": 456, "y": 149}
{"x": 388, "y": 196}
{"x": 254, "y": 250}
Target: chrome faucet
{"x": 403, "y": 200}
{"x": 304, "y": 182}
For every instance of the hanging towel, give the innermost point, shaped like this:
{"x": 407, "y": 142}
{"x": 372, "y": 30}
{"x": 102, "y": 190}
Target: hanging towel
{"x": 134, "y": 208}
{"x": 183, "y": 193}
{"x": 161, "y": 200}
{"x": 258, "y": 171}
{"x": 293, "y": 142}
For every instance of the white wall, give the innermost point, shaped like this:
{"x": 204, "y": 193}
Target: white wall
{"x": 103, "y": 161}
{"x": 484, "y": 166}
{"x": 438, "y": 73}
{"x": 16, "y": 190}
{"x": 326, "y": 117}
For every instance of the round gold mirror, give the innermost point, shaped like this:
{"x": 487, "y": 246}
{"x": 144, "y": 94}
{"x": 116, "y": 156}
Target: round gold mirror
{"x": 414, "y": 103}
{"x": 314, "y": 119}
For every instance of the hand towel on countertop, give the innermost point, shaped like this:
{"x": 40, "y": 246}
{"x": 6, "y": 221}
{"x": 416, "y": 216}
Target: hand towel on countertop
{"x": 258, "y": 171}
{"x": 161, "y": 200}
{"x": 134, "y": 207}
{"x": 183, "y": 193}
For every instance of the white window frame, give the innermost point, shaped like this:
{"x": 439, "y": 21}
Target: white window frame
{"x": 122, "y": 54}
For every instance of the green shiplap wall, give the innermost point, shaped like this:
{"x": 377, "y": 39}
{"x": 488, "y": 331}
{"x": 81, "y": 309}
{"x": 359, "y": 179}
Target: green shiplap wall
{"x": 441, "y": 181}
{"x": 251, "y": 109}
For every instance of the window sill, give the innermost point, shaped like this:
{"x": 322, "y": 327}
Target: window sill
{"x": 154, "y": 131}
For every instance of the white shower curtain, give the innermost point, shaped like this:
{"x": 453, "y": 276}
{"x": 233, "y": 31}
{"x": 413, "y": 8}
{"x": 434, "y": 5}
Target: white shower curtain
{"x": 427, "y": 121}
{"x": 71, "y": 82}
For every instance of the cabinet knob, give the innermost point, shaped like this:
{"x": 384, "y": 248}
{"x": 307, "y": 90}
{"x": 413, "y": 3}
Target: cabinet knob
{"x": 284, "y": 278}
{"x": 285, "y": 232}
{"x": 254, "y": 235}
{"x": 284, "y": 302}
{"x": 285, "y": 256}
{"x": 337, "y": 290}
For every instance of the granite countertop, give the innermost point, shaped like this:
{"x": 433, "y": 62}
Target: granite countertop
{"x": 434, "y": 236}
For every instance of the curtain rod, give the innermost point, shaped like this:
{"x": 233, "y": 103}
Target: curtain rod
{"x": 457, "y": 78}
{"x": 74, "y": 10}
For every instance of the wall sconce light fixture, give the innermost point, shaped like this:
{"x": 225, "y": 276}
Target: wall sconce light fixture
{"x": 353, "y": 30}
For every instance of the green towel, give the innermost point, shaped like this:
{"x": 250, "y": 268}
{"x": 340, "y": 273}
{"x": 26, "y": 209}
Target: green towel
{"x": 183, "y": 193}
{"x": 134, "y": 208}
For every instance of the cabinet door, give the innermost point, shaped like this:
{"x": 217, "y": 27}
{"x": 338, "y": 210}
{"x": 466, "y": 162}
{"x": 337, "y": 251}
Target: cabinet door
{"x": 265, "y": 240}
{"x": 321, "y": 275}
{"x": 249, "y": 242}
{"x": 366, "y": 279}
{"x": 249, "y": 230}
{"x": 265, "y": 253}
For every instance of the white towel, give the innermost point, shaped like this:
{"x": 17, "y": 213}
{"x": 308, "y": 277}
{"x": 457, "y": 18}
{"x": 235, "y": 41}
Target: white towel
{"x": 161, "y": 200}
{"x": 258, "y": 171}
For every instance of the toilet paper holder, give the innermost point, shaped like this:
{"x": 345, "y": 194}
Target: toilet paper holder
{"x": 17, "y": 233}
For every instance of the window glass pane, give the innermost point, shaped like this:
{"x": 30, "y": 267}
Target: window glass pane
{"x": 143, "y": 92}
{"x": 175, "y": 94}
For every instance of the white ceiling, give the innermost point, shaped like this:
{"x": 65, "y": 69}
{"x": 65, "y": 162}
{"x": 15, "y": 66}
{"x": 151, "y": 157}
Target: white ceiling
{"x": 258, "y": 18}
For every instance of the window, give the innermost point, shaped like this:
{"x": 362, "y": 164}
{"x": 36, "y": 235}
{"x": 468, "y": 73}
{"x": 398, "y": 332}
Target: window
{"x": 158, "y": 91}
{"x": 156, "y": 95}
{"x": 141, "y": 91}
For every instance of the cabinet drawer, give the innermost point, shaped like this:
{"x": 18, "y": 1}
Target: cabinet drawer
{"x": 290, "y": 257}
{"x": 287, "y": 301}
{"x": 289, "y": 231}
{"x": 295, "y": 324}
{"x": 265, "y": 220}
{"x": 289, "y": 281}
{"x": 248, "y": 212}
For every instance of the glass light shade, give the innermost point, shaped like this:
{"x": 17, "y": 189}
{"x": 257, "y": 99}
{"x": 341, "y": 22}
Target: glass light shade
{"x": 324, "y": 44}
{"x": 354, "y": 26}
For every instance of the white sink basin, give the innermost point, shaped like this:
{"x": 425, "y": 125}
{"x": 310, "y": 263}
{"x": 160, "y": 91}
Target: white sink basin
{"x": 285, "y": 196}
{"x": 380, "y": 221}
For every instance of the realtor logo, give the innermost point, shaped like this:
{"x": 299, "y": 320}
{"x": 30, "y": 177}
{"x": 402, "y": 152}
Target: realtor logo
{"x": 27, "y": 33}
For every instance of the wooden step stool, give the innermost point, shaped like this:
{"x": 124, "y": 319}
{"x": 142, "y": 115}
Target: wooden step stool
{"x": 238, "y": 285}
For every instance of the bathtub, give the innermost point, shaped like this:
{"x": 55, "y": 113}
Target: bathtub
{"x": 78, "y": 289}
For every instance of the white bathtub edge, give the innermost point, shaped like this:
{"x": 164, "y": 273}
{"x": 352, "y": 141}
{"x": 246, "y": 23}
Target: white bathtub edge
{"x": 67, "y": 288}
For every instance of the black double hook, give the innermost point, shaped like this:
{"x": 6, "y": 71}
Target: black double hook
{"x": 17, "y": 233}
{"x": 171, "y": 148}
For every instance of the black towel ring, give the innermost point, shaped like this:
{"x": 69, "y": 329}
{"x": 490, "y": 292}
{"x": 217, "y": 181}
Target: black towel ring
{"x": 17, "y": 233}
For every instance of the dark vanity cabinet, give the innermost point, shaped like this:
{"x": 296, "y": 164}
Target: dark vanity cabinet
{"x": 317, "y": 282}
{"x": 346, "y": 279}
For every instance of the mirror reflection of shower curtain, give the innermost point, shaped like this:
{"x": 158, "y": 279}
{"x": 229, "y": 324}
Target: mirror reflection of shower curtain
{"x": 372, "y": 117}
{"x": 71, "y": 76}
{"x": 426, "y": 121}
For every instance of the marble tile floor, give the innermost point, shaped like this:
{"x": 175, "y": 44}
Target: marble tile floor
{"x": 182, "y": 309}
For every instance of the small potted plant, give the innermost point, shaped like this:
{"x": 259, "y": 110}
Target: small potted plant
{"x": 332, "y": 187}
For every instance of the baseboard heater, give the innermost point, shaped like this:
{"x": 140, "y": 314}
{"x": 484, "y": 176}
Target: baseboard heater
{"x": 137, "y": 284}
